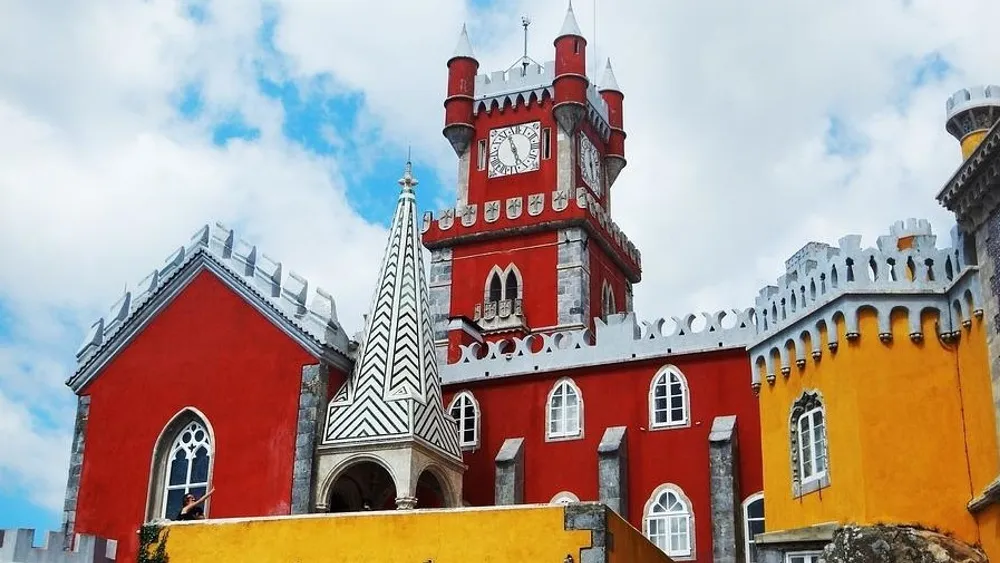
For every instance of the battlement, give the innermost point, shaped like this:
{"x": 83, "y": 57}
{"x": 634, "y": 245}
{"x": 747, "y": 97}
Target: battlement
{"x": 497, "y": 89}
{"x": 500, "y": 216}
{"x": 311, "y": 310}
{"x": 17, "y": 546}
{"x": 823, "y": 284}
{"x": 618, "y": 339}
{"x": 968, "y": 98}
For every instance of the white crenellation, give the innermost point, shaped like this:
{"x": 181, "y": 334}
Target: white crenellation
{"x": 17, "y": 546}
{"x": 825, "y": 284}
{"x": 311, "y": 309}
{"x": 495, "y": 90}
{"x": 618, "y": 339}
{"x": 560, "y": 201}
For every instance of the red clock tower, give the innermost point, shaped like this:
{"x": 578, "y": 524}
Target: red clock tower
{"x": 530, "y": 246}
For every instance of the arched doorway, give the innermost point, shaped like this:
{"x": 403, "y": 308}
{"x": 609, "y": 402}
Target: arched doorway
{"x": 366, "y": 485}
{"x": 430, "y": 493}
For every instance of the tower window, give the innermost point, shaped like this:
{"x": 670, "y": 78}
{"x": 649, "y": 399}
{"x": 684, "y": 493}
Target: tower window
{"x": 810, "y": 465}
{"x": 510, "y": 288}
{"x": 565, "y": 411}
{"x": 182, "y": 464}
{"x": 576, "y": 46}
{"x": 503, "y": 284}
{"x": 496, "y": 288}
{"x": 465, "y": 410}
{"x": 481, "y": 155}
{"x": 668, "y": 399}
{"x": 608, "y": 306}
{"x": 546, "y": 143}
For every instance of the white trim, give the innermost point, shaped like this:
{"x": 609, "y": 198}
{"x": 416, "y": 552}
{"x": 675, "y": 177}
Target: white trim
{"x": 476, "y": 419}
{"x": 576, "y": 434}
{"x": 688, "y": 554}
{"x": 807, "y": 418}
{"x": 665, "y": 373}
{"x": 564, "y": 497}
{"x": 159, "y": 459}
{"x": 807, "y": 556}
{"x": 747, "y": 540}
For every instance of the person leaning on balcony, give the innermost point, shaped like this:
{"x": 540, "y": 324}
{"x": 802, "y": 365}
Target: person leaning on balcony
{"x": 192, "y": 509}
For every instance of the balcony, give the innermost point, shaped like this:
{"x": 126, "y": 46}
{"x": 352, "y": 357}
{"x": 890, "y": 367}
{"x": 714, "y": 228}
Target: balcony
{"x": 502, "y": 315}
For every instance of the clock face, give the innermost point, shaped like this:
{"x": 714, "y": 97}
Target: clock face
{"x": 514, "y": 149}
{"x": 590, "y": 165}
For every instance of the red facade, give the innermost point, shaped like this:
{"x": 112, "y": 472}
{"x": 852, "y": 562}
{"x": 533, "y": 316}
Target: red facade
{"x": 211, "y": 350}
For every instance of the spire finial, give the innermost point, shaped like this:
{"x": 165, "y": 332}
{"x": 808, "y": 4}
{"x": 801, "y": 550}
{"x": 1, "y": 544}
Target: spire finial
{"x": 408, "y": 181}
{"x": 464, "y": 47}
{"x": 570, "y": 27}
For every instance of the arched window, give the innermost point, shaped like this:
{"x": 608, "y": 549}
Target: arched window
{"x": 510, "y": 288}
{"x": 669, "y": 522}
{"x": 608, "y": 306}
{"x": 810, "y": 467}
{"x": 182, "y": 464}
{"x": 565, "y": 411}
{"x": 669, "y": 399}
{"x": 564, "y": 497}
{"x": 496, "y": 288}
{"x": 753, "y": 524}
{"x": 465, "y": 410}
{"x": 503, "y": 284}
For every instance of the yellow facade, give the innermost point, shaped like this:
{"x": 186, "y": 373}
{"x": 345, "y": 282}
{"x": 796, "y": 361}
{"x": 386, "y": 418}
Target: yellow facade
{"x": 497, "y": 534}
{"x": 909, "y": 429}
{"x": 971, "y": 142}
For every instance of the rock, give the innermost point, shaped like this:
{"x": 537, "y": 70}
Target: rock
{"x": 897, "y": 544}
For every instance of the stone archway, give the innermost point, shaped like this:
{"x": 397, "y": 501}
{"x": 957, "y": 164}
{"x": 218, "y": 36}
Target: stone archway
{"x": 430, "y": 492}
{"x": 364, "y": 485}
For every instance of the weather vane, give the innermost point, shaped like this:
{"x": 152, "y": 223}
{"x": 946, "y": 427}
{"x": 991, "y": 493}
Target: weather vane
{"x": 525, "y": 60}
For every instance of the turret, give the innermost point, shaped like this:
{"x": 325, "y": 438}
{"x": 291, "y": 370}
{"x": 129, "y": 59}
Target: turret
{"x": 458, "y": 106}
{"x": 614, "y": 160}
{"x": 570, "y": 82}
{"x": 971, "y": 114}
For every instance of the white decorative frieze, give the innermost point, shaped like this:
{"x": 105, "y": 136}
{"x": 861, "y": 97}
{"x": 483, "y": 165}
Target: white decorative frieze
{"x": 560, "y": 201}
{"x": 536, "y": 204}
{"x": 469, "y": 215}
{"x": 514, "y": 206}
{"x": 491, "y": 211}
{"x": 447, "y": 219}
{"x": 425, "y": 224}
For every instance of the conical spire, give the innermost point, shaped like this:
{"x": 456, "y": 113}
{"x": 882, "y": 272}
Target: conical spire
{"x": 570, "y": 27}
{"x": 394, "y": 392}
{"x": 608, "y": 81}
{"x": 464, "y": 47}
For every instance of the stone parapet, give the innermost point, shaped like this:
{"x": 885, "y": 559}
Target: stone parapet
{"x": 17, "y": 546}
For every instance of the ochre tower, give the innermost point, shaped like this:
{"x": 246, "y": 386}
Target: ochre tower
{"x": 530, "y": 246}
{"x": 971, "y": 114}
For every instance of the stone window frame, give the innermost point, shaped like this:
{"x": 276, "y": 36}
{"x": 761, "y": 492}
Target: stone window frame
{"x": 807, "y": 403}
{"x": 502, "y": 275}
{"x": 748, "y": 541}
{"x": 564, "y": 497}
{"x": 647, "y": 514}
{"x": 608, "y": 305}
{"x": 662, "y": 379}
{"x": 568, "y": 383}
{"x": 476, "y": 419}
{"x": 160, "y": 459}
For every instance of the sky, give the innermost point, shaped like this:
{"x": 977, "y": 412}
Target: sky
{"x": 125, "y": 125}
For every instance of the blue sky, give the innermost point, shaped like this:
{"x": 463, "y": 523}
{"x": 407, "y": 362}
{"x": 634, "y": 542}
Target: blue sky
{"x": 291, "y": 120}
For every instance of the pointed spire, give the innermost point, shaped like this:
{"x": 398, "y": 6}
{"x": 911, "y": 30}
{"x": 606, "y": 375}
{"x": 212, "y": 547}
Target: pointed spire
{"x": 608, "y": 81}
{"x": 570, "y": 27}
{"x": 394, "y": 392}
{"x": 464, "y": 47}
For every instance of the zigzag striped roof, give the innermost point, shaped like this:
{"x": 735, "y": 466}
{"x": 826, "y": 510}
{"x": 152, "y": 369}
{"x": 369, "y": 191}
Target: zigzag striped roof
{"x": 394, "y": 392}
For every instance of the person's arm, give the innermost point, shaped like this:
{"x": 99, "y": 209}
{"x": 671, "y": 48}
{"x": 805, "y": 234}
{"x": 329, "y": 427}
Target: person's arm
{"x": 204, "y": 498}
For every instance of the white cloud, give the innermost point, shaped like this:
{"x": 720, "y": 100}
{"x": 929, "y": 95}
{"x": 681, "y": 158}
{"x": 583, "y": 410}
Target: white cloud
{"x": 727, "y": 108}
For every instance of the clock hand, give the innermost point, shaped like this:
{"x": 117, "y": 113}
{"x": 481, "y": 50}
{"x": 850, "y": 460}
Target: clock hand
{"x": 513, "y": 149}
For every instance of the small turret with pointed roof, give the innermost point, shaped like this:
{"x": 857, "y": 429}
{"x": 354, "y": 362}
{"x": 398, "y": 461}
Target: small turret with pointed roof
{"x": 392, "y": 401}
{"x": 570, "y": 83}
{"x": 614, "y": 159}
{"x": 459, "y": 114}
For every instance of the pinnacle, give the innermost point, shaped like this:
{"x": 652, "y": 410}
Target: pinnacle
{"x": 570, "y": 27}
{"x": 464, "y": 47}
{"x": 608, "y": 81}
{"x": 408, "y": 181}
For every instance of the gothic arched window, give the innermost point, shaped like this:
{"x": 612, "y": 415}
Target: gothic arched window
{"x": 669, "y": 522}
{"x": 182, "y": 464}
{"x": 565, "y": 411}
{"x": 510, "y": 288}
{"x": 564, "y": 497}
{"x": 465, "y": 410}
{"x": 810, "y": 459}
{"x": 608, "y": 306}
{"x": 496, "y": 288}
{"x": 669, "y": 399}
{"x": 753, "y": 524}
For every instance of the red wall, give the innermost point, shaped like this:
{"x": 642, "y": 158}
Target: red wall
{"x": 602, "y": 268}
{"x": 211, "y": 350}
{"x": 535, "y": 255}
{"x": 618, "y": 396}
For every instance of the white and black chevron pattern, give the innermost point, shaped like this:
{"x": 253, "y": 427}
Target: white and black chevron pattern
{"x": 395, "y": 390}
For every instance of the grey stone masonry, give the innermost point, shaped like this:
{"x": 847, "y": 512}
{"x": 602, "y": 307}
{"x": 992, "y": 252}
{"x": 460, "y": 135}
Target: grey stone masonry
{"x": 723, "y": 463}
{"x": 594, "y": 517}
{"x": 988, "y": 252}
{"x": 75, "y": 468}
{"x": 312, "y": 406}
{"x": 439, "y": 295}
{"x": 510, "y": 472}
{"x": 612, "y": 470}
{"x": 573, "y": 278}
{"x": 16, "y": 546}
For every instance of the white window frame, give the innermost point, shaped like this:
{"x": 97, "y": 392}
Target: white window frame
{"x": 502, "y": 276}
{"x": 809, "y": 434}
{"x": 546, "y": 143}
{"x": 662, "y": 378}
{"x": 567, "y": 433}
{"x": 166, "y": 444}
{"x": 608, "y": 305}
{"x": 686, "y": 553}
{"x": 481, "y": 154}
{"x": 747, "y": 540}
{"x": 564, "y": 497}
{"x": 461, "y": 420}
{"x": 803, "y": 556}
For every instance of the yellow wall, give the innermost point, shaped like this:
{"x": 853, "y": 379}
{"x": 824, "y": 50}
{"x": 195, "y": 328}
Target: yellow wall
{"x": 971, "y": 142}
{"x": 898, "y": 416}
{"x": 523, "y": 533}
